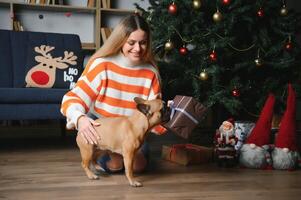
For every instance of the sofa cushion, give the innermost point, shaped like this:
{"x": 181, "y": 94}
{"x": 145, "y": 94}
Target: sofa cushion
{"x": 30, "y": 111}
{"x": 31, "y": 95}
{"x": 24, "y": 54}
{"x": 46, "y": 70}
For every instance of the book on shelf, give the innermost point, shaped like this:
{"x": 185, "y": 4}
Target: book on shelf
{"x": 59, "y": 2}
{"x": 105, "y": 3}
{"x": 91, "y": 3}
{"x": 105, "y": 33}
{"x": 17, "y": 26}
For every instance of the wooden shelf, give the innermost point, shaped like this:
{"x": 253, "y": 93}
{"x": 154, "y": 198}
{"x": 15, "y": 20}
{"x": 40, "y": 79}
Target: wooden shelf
{"x": 57, "y": 8}
{"x": 85, "y": 21}
{"x": 114, "y": 10}
{"x": 88, "y": 46}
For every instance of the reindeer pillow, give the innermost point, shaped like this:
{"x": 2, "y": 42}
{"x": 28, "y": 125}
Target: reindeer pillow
{"x": 49, "y": 67}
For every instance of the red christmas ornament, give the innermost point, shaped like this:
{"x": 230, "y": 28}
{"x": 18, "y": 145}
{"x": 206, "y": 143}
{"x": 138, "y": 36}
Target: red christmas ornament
{"x": 288, "y": 46}
{"x": 183, "y": 50}
{"x": 172, "y": 8}
{"x": 226, "y": 2}
{"x": 213, "y": 56}
{"x": 235, "y": 93}
{"x": 260, "y": 12}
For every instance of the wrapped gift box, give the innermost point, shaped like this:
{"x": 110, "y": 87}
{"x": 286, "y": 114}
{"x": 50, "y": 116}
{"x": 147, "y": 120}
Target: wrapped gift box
{"x": 186, "y": 114}
{"x": 186, "y": 154}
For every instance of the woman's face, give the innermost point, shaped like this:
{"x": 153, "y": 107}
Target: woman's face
{"x": 135, "y": 46}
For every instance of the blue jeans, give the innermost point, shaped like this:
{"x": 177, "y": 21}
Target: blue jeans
{"x": 102, "y": 161}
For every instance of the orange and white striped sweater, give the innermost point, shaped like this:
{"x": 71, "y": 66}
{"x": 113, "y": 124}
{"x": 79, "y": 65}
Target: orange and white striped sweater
{"x": 107, "y": 88}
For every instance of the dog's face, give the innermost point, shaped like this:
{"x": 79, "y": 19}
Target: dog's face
{"x": 155, "y": 110}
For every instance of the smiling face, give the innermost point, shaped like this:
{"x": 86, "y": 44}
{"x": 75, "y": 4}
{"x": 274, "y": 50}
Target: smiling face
{"x": 135, "y": 46}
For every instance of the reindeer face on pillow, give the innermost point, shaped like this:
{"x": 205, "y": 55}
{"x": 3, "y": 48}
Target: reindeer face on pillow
{"x": 43, "y": 74}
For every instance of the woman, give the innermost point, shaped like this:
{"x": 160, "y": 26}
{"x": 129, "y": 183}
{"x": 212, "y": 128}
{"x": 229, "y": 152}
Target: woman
{"x": 119, "y": 71}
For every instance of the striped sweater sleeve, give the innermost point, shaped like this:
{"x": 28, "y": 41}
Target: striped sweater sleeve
{"x": 77, "y": 102}
{"x": 156, "y": 93}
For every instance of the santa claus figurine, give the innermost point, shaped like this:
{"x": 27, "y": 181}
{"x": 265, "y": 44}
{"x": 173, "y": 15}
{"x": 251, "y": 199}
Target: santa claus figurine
{"x": 225, "y": 141}
{"x": 285, "y": 154}
{"x": 255, "y": 152}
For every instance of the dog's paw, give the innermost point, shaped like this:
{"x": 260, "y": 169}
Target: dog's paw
{"x": 92, "y": 176}
{"x": 136, "y": 184}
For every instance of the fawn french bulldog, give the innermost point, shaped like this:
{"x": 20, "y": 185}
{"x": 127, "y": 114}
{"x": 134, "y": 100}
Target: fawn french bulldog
{"x": 124, "y": 135}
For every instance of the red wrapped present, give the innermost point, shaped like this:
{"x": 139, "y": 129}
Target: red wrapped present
{"x": 186, "y": 154}
{"x": 186, "y": 113}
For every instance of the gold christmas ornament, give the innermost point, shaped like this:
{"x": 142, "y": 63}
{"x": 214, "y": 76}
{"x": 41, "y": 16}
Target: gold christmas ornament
{"x": 217, "y": 17}
{"x": 283, "y": 11}
{"x": 196, "y": 4}
{"x": 203, "y": 76}
{"x": 168, "y": 45}
{"x": 258, "y": 62}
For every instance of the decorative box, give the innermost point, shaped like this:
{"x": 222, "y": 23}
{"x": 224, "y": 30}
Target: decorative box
{"x": 243, "y": 129}
{"x": 186, "y": 154}
{"x": 186, "y": 113}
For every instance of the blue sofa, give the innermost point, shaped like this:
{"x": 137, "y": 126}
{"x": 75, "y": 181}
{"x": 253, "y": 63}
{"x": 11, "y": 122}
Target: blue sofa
{"x": 24, "y": 94}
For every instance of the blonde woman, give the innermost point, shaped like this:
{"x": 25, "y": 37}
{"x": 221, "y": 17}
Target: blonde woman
{"x": 119, "y": 71}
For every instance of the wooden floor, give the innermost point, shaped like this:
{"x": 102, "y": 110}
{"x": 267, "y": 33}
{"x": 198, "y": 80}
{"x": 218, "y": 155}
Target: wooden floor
{"x": 49, "y": 168}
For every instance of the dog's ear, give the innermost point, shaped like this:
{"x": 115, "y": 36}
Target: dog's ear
{"x": 139, "y": 100}
{"x": 144, "y": 108}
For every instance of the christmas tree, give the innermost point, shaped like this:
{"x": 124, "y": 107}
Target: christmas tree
{"x": 225, "y": 52}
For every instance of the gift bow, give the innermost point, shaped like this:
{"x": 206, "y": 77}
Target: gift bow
{"x": 174, "y": 109}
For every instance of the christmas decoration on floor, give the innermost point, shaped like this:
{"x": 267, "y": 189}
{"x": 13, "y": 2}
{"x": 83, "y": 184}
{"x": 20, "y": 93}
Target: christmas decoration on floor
{"x": 240, "y": 43}
{"x": 242, "y": 131}
{"x": 225, "y": 141}
{"x": 285, "y": 154}
{"x": 187, "y": 154}
{"x": 186, "y": 113}
{"x": 259, "y": 153}
{"x": 255, "y": 152}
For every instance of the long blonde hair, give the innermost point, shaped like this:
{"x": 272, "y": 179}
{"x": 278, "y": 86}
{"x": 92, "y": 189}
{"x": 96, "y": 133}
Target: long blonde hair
{"x": 119, "y": 36}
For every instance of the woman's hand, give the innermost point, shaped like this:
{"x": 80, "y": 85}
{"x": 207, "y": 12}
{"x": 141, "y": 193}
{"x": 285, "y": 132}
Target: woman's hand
{"x": 86, "y": 129}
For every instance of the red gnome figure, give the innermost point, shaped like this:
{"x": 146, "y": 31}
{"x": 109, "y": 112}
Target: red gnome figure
{"x": 255, "y": 152}
{"x": 285, "y": 154}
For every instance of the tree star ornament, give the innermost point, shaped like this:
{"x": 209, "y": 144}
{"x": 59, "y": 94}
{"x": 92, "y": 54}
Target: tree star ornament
{"x": 172, "y": 8}
{"x": 196, "y": 4}
{"x": 217, "y": 16}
